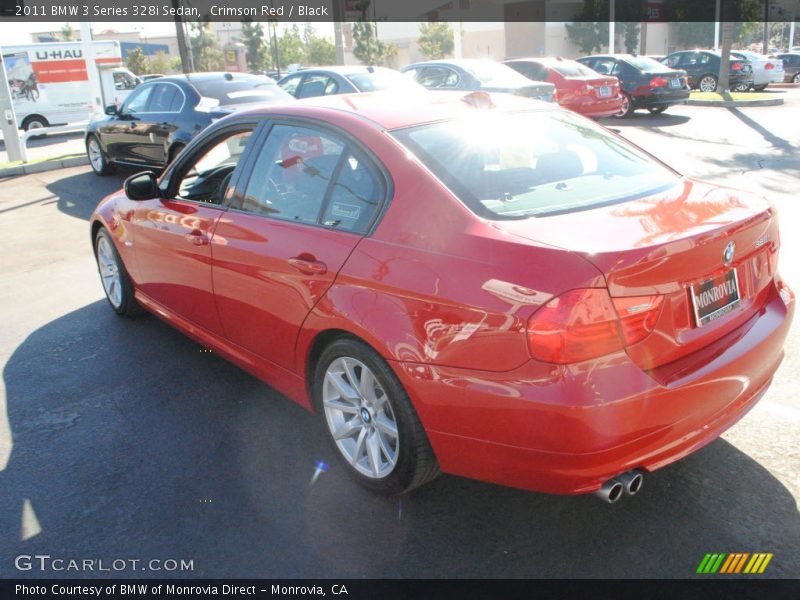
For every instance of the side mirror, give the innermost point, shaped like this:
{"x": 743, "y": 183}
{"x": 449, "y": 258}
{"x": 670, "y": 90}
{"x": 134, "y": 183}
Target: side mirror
{"x": 111, "y": 109}
{"x": 142, "y": 186}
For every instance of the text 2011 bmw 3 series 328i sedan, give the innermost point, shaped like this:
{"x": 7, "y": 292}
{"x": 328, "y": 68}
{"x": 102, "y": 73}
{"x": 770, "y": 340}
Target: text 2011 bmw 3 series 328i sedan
{"x": 481, "y": 285}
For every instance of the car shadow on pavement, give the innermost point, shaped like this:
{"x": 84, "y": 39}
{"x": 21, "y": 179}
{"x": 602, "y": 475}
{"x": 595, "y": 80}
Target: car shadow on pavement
{"x": 645, "y": 119}
{"x": 132, "y": 442}
{"x": 78, "y": 195}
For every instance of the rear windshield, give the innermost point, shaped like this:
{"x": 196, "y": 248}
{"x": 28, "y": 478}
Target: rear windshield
{"x": 519, "y": 165}
{"x": 644, "y": 63}
{"x": 241, "y": 91}
{"x": 573, "y": 69}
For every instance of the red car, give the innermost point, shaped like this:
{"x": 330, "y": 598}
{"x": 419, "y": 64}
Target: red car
{"x": 477, "y": 284}
{"x": 579, "y": 88}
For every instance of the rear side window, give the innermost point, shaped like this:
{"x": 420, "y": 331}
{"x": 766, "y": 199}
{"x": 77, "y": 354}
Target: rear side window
{"x": 519, "y": 165}
{"x": 309, "y": 176}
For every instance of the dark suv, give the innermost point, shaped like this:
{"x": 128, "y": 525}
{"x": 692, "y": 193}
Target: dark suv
{"x": 702, "y": 66}
{"x": 644, "y": 82}
{"x": 791, "y": 66}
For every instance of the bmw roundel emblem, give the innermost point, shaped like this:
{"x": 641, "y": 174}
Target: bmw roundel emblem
{"x": 727, "y": 256}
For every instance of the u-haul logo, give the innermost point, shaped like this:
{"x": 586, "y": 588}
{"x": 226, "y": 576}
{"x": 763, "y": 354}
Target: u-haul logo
{"x": 58, "y": 54}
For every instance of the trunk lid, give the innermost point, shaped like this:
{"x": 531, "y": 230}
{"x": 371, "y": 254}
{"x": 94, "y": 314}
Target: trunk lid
{"x": 665, "y": 245}
{"x": 538, "y": 90}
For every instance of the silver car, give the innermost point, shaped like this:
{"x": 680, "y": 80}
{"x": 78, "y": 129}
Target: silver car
{"x": 766, "y": 70}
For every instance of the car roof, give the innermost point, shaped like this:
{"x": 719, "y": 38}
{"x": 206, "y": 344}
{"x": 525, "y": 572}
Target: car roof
{"x": 341, "y": 70}
{"x": 213, "y": 76}
{"x": 390, "y": 110}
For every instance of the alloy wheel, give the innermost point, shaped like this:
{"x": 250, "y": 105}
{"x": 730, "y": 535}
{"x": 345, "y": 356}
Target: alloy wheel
{"x": 96, "y": 155}
{"x": 623, "y": 110}
{"x": 708, "y": 84}
{"x": 109, "y": 271}
{"x": 360, "y": 418}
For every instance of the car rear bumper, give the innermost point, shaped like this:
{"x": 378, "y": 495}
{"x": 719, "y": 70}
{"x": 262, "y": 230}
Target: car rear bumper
{"x": 568, "y": 429}
{"x": 654, "y": 99}
{"x": 594, "y": 107}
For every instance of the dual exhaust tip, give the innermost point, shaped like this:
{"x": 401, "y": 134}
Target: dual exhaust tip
{"x": 628, "y": 483}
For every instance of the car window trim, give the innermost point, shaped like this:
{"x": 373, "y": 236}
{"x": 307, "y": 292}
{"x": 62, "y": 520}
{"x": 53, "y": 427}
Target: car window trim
{"x": 168, "y": 185}
{"x": 164, "y": 112}
{"x": 378, "y": 168}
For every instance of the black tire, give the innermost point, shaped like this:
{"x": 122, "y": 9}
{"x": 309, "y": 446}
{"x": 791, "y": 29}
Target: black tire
{"x": 796, "y": 78}
{"x": 128, "y": 307}
{"x": 627, "y": 107}
{"x": 760, "y": 88}
{"x": 104, "y": 166}
{"x": 416, "y": 464}
{"x": 34, "y": 122}
{"x": 657, "y": 110}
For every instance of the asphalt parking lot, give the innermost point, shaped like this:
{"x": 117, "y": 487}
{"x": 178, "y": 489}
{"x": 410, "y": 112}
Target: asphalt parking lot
{"x": 122, "y": 439}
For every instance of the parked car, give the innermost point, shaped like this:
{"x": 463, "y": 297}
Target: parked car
{"x": 478, "y": 74}
{"x": 766, "y": 70}
{"x": 578, "y": 87}
{"x": 644, "y": 82}
{"x": 162, "y": 115}
{"x": 325, "y": 81}
{"x": 531, "y": 301}
{"x": 791, "y": 66}
{"x": 703, "y": 66}
{"x": 150, "y": 76}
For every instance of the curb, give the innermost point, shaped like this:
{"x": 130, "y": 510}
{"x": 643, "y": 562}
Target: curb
{"x": 47, "y": 165}
{"x": 736, "y": 103}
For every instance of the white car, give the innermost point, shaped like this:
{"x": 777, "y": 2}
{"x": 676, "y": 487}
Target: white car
{"x": 766, "y": 70}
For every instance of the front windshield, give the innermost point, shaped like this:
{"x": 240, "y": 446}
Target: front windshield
{"x": 506, "y": 165}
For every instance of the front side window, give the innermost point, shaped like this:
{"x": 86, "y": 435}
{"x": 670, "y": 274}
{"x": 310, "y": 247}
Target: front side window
{"x": 166, "y": 98}
{"x": 308, "y": 176}
{"x": 315, "y": 85}
{"x": 438, "y": 77}
{"x": 526, "y": 164}
{"x": 137, "y": 102}
{"x": 207, "y": 178}
{"x": 290, "y": 85}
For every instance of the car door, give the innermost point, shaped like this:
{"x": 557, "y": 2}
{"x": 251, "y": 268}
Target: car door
{"x": 120, "y": 134}
{"x": 172, "y": 234}
{"x": 162, "y": 118}
{"x": 311, "y": 197}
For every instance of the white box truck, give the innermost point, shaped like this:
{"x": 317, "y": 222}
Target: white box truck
{"x": 50, "y": 85}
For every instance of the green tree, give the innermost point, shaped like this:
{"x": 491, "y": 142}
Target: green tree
{"x": 67, "y": 33}
{"x": 256, "y": 44}
{"x": 321, "y": 51}
{"x": 137, "y": 62}
{"x": 435, "y": 40}
{"x": 630, "y": 34}
{"x": 160, "y": 62}
{"x": 291, "y": 50}
{"x": 206, "y": 53}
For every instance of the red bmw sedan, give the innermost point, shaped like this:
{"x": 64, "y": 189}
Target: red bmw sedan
{"x": 579, "y": 88}
{"x": 481, "y": 285}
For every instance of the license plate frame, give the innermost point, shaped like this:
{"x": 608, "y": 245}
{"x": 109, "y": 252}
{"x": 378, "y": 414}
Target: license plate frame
{"x": 724, "y": 296}
{"x": 604, "y": 91}
{"x": 674, "y": 83}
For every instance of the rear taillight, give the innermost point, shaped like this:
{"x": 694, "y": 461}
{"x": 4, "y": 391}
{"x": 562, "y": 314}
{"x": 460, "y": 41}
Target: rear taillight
{"x": 736, "y": 66}
{"x": 587, "y": 323}
{"x": 658, "y": 82}
{"x": 769, "y": 67}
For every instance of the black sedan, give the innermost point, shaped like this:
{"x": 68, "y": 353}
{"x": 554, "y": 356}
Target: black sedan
{"x": 477, "y": 74}
{"x": 702, "y": 66}
{"x": 325, "y": 81}
{"x": 645, "y": 83}
{"x": 161, "y": 116}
